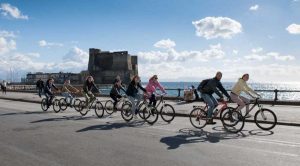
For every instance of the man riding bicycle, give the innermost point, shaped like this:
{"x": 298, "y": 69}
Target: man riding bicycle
{"x": 48, "y": 91}
{"x": 67, "y": 91}
{"x": 207, "y": 88}
{"x": 87, "y": 90}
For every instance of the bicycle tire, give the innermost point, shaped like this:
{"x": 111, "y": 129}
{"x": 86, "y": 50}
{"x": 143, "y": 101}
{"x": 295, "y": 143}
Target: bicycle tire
{"x": 44, "y": 104}
{"x": 63, "y": 104}
{"x": 171, "y": 113}
{"x": 99, "y": 109}
{"x": 126, "y": 112}
{"x": 76, "y": 104}
{"x": 109, "y": 107}
{"x": 83, "y": 109}
{"x": 273, "y": 122}
{"x": 198, "y": 116}
{"x": 231, "y": 120}
{"x": 150, "y": 114}
{"x": 55, "y": 105}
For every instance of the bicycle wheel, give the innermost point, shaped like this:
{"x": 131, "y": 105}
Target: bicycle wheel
{"x": 126, "y": 112}
{"x": 63, "y": 104}
{"x": 142, "y": 109}
{"x": 198, "y": 118}
{"x": 109, "y": 107}
{"x": 99, "y": 109}
{"x": 150, "y": 114}
{"x": 226, "y": 110}
{"x": 56, "y": 107}
{"x": 265, "y": 119}
{"x": 77, "y": 104}
{"x": 44, "y": 105}
{"x": 233, "y": 121}
{"x": 167, "y": 113}
{"x": 83, "y": 108}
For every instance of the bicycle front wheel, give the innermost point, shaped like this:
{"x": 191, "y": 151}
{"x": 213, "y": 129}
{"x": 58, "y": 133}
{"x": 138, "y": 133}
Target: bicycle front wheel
{"x": 198, "y": 118}
{"x": 126, "y": 112}
{"x": 109, "y": 107}
{"x": 77, "y": 104}
{"x": 99, "y": 109}
{"x": 83, "y": 108}
{"x": 265, "y": 119}
{"x": 233, "y": 121}
{"x": 63, "y": 104}
{"x": 167, "y": 113}
{"x": 150, "y": 114}
{"x": 56, "y": 107}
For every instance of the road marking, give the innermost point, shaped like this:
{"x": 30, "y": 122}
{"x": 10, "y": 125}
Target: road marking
{"x": 277, "y": 142}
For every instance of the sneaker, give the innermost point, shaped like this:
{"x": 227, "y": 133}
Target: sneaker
{"x": 136, "y": 111}
{"x": 210, "y": 122}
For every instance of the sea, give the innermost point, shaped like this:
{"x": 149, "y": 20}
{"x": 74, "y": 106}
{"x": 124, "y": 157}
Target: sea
{"x": 228, "y": 85}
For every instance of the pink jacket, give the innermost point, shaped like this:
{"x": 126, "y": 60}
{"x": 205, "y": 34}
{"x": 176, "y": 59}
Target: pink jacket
{"x": 152, "y": 85}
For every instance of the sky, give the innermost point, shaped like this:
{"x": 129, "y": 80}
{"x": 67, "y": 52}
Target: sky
{"x": 179, "y": 40}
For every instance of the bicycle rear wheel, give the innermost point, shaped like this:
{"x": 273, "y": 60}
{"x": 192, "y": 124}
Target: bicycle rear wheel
{"x": 198, "y": 118}
{"x": 99, "y": 109}
{"x": 150, "y": 114}
{"x": 44, "y": 104}
{"x": 63, "y": 104}
{"x": 233, "y": 121}
{"x": 167, "y": 113}
{"x": 126, "y": 112}
{"x": 83, "y": 108}
{"x": 265, "y": 119}
{"x": 109, "y": 107}
{"x": 56, "y": 107}
{"x": 77, "y": 104}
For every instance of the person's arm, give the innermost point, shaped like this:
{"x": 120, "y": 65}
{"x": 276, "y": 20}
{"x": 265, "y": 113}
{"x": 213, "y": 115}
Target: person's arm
{"x": 222, "y": 89}
{"x": 161, "y": 88}
{"x": 94, "y": 85}
{"x": 143, "y": 89}
{"x": 54, "y": 87}
{"x": 250, "y": 91}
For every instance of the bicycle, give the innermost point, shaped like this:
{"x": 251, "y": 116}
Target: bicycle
{"x": 262, "y": 117}
{"x": 63, "y": 104}
{"x": 55, "y": 104}
{"x": 95, "y": 104}
{"x": 145, "y": 111}
{"x": 109, "y": 105}
{"x": 198, "y": 117}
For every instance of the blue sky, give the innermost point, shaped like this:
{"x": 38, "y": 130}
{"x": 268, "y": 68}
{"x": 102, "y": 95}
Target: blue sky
{"x": 55, "y": 36}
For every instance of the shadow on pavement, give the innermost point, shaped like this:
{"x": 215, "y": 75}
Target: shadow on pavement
{"x": 188, "y": 136}
{"x": 26, "y": 113}
{"x": 63, "y": 119}
{"x": 110, "y": 126}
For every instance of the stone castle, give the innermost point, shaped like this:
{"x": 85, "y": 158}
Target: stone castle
{"x": 104, "y": 66}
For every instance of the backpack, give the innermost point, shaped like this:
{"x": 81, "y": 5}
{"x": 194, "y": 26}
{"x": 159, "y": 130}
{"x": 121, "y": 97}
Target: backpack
{"x": 202, "y": 85}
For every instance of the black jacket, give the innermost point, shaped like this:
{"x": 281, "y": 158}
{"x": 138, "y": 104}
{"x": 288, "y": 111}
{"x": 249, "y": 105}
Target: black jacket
{"x": 40, "y": 84}
{"x": 115, "y": 90}
{"x": 48, "y": 87}
{"x": 133, "y": 90}
{"x": 88, "y": 86}
{"x": 213, "y": 86}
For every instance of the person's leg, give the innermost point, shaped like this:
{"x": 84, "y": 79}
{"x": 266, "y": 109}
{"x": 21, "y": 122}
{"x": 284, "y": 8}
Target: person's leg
{"x": 246, "y": 101}
{"x": 209, "y": 102}
{"x": 115, "y": 99}
{"x": 71, "y": 98}
{"x": 133, "y": 104}
{"x": 51, "y": 99}
{"x": 86, "y": 96}
{"x": 65, "y": 95}
{"x": 237, "y": 99}
{"x": 47, "y": 99}
{"x": 40, "y": 92}
{"x": 152, "y": 100}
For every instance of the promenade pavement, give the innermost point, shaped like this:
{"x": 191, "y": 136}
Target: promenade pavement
{"x": 286, "y": 114}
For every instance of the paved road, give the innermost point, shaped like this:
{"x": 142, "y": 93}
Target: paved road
{"x": 32, "y": 137}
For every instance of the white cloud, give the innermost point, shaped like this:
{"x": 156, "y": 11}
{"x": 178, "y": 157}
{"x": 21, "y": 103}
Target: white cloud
{"x": 7, "y": 34}
{"x": 44, "y": 43}
{"x": 235, "y": 52}
{"x": 33, "y": 54}
{"x": 165, "y": 43}
{"x": 12, "y": 11}
{"x": 77, "y": 55}
{"x": 258, "y": 55}
{"x": 6, "y": 45}
{"x": 214, "y": 27}
{"x": 254, "y": 7}
{"x": 293, "y": 29}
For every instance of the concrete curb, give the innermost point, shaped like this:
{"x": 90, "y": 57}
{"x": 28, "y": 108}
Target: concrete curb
{"x": 176, "y": 114}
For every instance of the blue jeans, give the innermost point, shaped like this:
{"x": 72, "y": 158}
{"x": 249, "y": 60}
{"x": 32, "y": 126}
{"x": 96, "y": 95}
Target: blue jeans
{"x": 211, "y": 102}
{"x": 135, "y": 101}
{"x": 68, "y": 96}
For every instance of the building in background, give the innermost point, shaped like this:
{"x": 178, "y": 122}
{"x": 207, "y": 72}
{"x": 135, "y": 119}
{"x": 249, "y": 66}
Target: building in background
{"x": 104, "y": 66}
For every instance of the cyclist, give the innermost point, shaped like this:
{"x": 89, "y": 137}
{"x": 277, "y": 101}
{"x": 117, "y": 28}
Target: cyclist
{"x": 133, "y": 93}
{"x": 235, "y": 94}
{"x": 207, "y": 88}
{"x": 115, "y": 92}
{"x": 48, "y": 91}
{"x": 151, "y": 89}
{"x": 87, "y": 90}
{"x": 67, "y": 91}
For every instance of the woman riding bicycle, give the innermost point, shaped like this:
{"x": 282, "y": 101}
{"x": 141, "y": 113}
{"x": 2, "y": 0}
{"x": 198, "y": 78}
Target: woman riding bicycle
{"x": 235, "y": 94}
{"x": 151, "y": 89}
{"x": 115, "y": 93}
{"x": 48, "y": 91}
{"x": 87, "y": 90}
{"x": 133, "y": 93}
{"x": 67, "y": 91}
